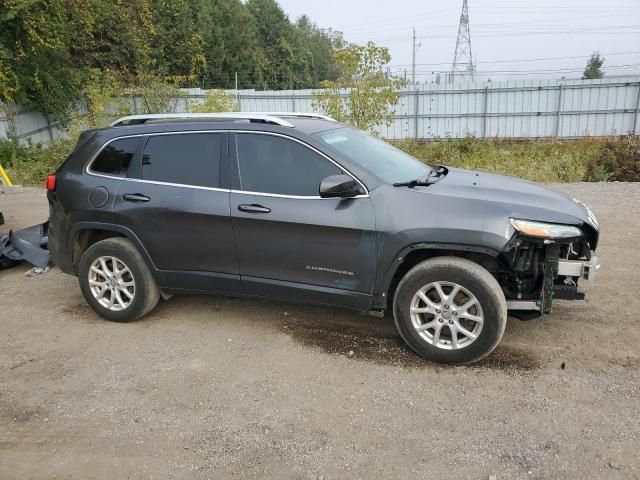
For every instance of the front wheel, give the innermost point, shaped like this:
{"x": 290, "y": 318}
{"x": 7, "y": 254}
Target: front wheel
{"x": 450, "y": 310}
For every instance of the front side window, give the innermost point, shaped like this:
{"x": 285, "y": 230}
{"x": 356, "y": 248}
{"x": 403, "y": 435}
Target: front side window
{"x": 115, "y": 158}
{"x": 273, "y": 164}
{"x": 186, "y": 159}
{"x": 382, "y": 159}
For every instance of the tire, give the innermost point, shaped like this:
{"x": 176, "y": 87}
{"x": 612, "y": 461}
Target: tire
{"x": 137, "y": 281}
{"x": 485, "y": 319}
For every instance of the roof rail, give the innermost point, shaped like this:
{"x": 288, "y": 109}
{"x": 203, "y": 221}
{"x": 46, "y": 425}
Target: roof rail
{"x": 140, "y": 119}
{"x": 298, "y": 114}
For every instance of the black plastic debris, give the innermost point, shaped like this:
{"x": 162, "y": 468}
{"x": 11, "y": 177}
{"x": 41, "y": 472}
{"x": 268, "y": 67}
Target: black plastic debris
{"x": 28, "y": 244}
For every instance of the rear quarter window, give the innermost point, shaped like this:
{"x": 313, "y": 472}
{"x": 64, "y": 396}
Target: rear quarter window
{"x": 115, "y": 158}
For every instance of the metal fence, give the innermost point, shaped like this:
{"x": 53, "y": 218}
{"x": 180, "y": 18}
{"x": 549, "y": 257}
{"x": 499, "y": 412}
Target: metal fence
{"x": 506, "y": 109}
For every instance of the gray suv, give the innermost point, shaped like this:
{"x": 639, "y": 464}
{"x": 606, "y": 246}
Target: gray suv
{"x": 300, "y": 207}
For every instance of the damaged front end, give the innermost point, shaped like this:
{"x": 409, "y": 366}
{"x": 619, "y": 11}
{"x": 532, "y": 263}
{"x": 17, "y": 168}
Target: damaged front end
{"x": 546, "y": 262}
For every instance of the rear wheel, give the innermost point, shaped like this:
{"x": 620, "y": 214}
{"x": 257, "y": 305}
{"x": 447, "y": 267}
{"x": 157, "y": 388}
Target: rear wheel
{"x": 116, "y": 281}
{"x": 450, "y": 310}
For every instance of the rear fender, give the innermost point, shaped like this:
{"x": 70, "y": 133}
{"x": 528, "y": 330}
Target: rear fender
{"x": 77, "y": 228}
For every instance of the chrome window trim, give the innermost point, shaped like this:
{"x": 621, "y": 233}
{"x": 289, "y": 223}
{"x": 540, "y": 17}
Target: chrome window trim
{"x": 298, "y": 197}
{"x": 304, "y": 144}
{"x": 183, "y": 185}
{"x": 88, "y": 170}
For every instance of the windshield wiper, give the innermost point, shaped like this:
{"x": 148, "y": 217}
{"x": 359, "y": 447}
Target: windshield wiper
{"x": 432, "y": 178}
{"x": 414, "y": 183}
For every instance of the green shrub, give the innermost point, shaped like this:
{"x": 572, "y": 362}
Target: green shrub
{"x": 586, "y": 160}
{"x": 625, "y": 156}
{"x": 30, "y": 164}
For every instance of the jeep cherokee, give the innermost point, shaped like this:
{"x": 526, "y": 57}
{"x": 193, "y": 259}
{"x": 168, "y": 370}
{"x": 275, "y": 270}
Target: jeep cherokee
{"x": 298, "y": 206}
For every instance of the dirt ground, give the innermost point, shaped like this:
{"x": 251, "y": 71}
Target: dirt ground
{"x": 214, "y": 387}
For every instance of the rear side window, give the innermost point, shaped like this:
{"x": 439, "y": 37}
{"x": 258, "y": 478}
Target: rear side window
{"x": 188, "y": 159}
{"x": 272, "y": 164}
{"x": 114, "y": 159}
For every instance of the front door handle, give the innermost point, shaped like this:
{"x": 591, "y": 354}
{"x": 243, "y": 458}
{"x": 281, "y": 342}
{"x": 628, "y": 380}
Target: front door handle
{"x": 135, "y": 197}
{"x": 253, "y": 208}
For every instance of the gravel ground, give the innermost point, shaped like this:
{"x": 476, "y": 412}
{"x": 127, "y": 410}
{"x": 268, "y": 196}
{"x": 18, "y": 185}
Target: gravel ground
{"x": 214, "y": 387}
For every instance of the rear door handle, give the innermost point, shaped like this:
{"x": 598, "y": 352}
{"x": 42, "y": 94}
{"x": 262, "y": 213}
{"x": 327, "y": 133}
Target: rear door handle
{"x": 135, "y": 197}
{"x": 253, "y": 208}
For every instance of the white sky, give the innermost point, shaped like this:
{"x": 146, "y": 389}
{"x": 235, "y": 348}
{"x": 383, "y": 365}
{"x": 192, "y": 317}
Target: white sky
{"x": 506, "y": 35}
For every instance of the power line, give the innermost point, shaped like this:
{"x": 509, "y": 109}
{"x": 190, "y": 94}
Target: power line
{"x": 515, "y": 60}
{"x": 541, "y": 71}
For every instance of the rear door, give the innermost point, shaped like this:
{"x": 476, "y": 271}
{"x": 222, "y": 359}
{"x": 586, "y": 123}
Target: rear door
{"x": 177, "y": 204}
{"x": 290, "y": 242}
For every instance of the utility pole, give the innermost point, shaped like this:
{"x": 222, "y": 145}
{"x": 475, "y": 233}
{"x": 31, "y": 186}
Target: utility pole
{"x": 414, "y": 49}
{"x": 413, "y": 61}
{"x": 237, "y": 97}
{"x": 462, "y": 58}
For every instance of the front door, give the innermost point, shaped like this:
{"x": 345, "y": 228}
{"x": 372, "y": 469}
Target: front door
{"x": 177, "y": 204}
{"x": 290, "y": 242}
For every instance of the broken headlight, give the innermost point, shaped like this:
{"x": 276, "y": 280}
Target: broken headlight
{"x": 545, "y": 230}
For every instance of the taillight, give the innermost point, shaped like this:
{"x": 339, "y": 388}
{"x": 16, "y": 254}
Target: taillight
{"x": 51, "y": 182}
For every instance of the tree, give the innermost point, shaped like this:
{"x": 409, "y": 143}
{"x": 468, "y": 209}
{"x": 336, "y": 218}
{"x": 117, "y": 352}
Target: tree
{"x": 231, "y": 45}
{"x": 363, "y": 95}
{"x": 320, "y": 46}
{"x": 54, "y": 53}
{"x": 594, "y": 67}
{"x": 215, "y": 101}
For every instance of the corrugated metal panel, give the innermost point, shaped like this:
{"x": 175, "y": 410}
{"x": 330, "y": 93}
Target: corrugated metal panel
{"x": 506, "y": 109}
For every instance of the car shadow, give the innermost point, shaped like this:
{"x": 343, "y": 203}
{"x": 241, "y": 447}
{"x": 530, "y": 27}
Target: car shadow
{"x": 347, "y": 333}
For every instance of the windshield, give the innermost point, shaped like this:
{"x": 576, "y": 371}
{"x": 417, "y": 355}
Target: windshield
{"x": 380, "y": 158}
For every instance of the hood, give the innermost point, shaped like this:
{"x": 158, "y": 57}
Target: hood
{"x": 517, "y": 198}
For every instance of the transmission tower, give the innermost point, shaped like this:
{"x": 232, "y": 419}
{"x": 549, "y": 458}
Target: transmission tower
{"x": 462, "y": 61}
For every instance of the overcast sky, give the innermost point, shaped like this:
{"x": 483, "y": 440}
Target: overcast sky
{"x": 510, "y": 38}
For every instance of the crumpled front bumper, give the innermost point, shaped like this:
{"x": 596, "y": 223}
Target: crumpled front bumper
{"x": 564, "y": 280}
{"x": 586, "y": 269}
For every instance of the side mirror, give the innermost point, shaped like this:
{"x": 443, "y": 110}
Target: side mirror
{"x": 339, "y": 186}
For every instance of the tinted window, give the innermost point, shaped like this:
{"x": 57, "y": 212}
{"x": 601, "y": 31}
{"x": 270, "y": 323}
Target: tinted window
{"x": 116, "y": 157}
{"x": 189, "y": 159}
{"x": 271, "y": 164}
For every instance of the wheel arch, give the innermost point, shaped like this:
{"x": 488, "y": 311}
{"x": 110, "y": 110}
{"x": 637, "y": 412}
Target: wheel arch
{"x": 85, "y": 234}
{"x": 413, "y": 254}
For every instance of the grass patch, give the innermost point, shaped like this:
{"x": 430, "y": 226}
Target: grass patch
{"x": 587, "y": 160}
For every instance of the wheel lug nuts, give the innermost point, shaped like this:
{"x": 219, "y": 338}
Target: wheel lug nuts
{"x": 455, "y": 313}
{"x": 440, "y": 320}
{"x": 438, "y": 311}
{"x": 450, "y": 322}
{"x": 446, "y": 306}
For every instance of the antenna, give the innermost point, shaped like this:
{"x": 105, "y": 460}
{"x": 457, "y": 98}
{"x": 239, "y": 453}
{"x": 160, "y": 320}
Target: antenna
{"x": 462, "y": 60}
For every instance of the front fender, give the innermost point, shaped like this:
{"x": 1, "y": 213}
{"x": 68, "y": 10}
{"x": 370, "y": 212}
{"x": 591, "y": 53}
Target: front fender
{"x": 384, "y": 282}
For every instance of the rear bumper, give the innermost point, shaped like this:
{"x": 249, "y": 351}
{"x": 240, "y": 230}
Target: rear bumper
{"x": 59, "y": 229}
